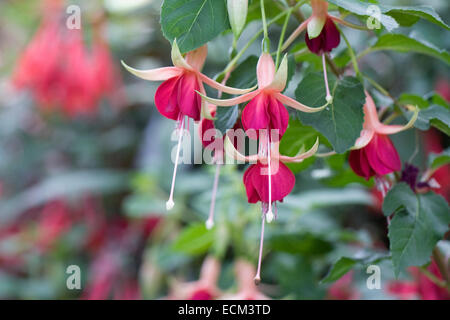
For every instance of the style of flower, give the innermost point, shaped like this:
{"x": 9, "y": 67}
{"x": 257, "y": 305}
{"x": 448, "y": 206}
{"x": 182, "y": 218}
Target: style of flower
{"x": 374, "y": 153}
{"x": 267, "y": 180}
{"x": 266, "y": 110}
{"x": 176, "y": 98}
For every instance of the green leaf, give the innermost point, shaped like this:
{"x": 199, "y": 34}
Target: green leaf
{"x": 193, "y": 23}
{"x": 392, "y": 16}
{"x": 194, "y": 240}
{"x": 226, "y": 118}
{"x": 345, "y": 264}
{"x": 437, "y": 160}
{"x": 400, "y": 195}
{"x": 402, "y": 43}
{"x": 341, "y": 122}
{"x": 300, "y": 243}
{"x": 298, "y": 138}
{"x": 361, "y": 8}
{"x": 436, "y": 116}
{"x": 418, "y": 224}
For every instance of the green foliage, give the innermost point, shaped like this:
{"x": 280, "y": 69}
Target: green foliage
{"x": 341, "y": 122}
{"x": 194, "y": 239}
{"x": 419, "y": 222}
{"x": 193, "y": 23}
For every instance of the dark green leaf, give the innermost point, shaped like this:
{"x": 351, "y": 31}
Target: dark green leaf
{"x": 436, "y": 116}
{"x": 400, "y": 195}
{"x": 341, "y": 122}
{"x": 437, "y": 160}
{"x": 193, "y": 23}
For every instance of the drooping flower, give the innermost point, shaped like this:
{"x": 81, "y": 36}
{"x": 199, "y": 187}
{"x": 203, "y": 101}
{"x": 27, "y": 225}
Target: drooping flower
{"x": 374, "y": 153}
{"x": 266, "y": 110}
{"x": 321, "y": 36}
{"x": 203, "y": 289}
{"x": 176, "y": 98}
{"x": 269, "y": 180}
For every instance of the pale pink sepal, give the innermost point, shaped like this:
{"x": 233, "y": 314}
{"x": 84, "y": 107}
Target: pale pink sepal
{"x": 279, "y": 81}
{"x": 302, "y": 156}
{"x": 232, "y": 101}
{"x": 295, "y": 34}
{"x": 177, "y": 58}
{"x": 196, "y": 58}
{"x": 265, "y": 70}
{"x": 297, "y": 105}
{"x": 216, "y": 85}
{"x": 231, "y": 151}
{"x": 364, "y": 139}
{"x": 159, "y": 74}
{"x": 391, "y": 129}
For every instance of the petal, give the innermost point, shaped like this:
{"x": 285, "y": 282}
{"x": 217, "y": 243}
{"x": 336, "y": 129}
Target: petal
{"x": 279, "y": 81}
{"x": 177, "y": 58}
{"x": 359, "y": 164}
{"x": 188, "y": 101}
{"x": 282, "y": 182}
{"x": 279, "y": 116}
{"x": 166, "y": 98}
{"x": 196, "y": 58}
{"x": 371, "y": 120}
{"x": 295, "y": 104}
{"x": 158, "y": 74}
{"x": 216, "y": 85}
{"x": 232, "y": 101}
{"x": 265, "y": 70}
{"x": 382, "y": 156}
{"x": 332, "y": 35}
{"x": 255, "y": 114}
{"x": 391, "y": 129}
{"x": 315, "y": 45}
{"x": 252, "y": 194}
{"x": 302, "y": 156}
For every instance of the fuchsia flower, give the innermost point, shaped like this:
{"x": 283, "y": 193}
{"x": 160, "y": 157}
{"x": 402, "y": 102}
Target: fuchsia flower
{"x": 266, "y": 110}
{"x": 269, "y": 180}
{"x": 176, "y": 98}
{"x": 374, "y": 154}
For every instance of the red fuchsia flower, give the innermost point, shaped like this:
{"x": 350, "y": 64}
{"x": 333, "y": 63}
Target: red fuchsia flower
{"x": 321, "y": 36}
{"x": 203, "y": 289}
{"x": 373, "y": 153}
{"x": 176, "y": 98}
{"x": 266, "y": 110}
{"x": 247, "y": 290}
{"x": 267, "y": 180}
{"x": 343, "y": 289}
{"x": 59, "y": 71}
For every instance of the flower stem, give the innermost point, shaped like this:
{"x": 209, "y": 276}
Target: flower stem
{"x": 352, "y": 56}
{"x": 280, "y": 42}
{"x": 266, "y": 41}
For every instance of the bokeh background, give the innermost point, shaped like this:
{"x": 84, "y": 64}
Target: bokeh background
{"x": 85, "y": 171}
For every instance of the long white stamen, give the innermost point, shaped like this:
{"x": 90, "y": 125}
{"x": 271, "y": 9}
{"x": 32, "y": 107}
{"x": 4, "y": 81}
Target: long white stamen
{"x": 170, "y": 204}
{"x": 210, "y": 221}
{"x": 269, "y": 215}
{"x": 257, "y": 278}
{"x": 329, "y": 97}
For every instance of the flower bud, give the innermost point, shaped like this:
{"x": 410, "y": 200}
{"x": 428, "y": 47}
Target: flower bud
{"x": 237, "y": 13}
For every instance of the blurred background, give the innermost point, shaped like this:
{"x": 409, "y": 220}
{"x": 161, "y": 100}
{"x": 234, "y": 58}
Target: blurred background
{"x": 85, "y": 171}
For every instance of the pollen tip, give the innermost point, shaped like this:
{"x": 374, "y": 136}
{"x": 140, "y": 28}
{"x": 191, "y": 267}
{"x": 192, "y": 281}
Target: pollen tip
{"x": 209, "y": 224}
{"x": 257, "y": 280}
{"x": 169, "y": 204}
{"x": 269, "y": 216}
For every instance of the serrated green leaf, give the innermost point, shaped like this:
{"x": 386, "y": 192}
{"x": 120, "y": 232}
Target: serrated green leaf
{"x": 400, "y": 195}
{"x": 341, "y": 122}
{"x": 402, "y": 43}
{"x": 194, "y": 240}
{"x": 193, "y": 23}
{"x": 414, "y": 234}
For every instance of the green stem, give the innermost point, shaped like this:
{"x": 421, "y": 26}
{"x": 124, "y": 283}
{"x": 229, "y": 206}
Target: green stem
{"x": 352, "y": 56}
{"x": 377, "y": 86}
{"x": 266, "y": 43}
{"x": 280, "y": 42}
{"x": 232, "y": 63}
